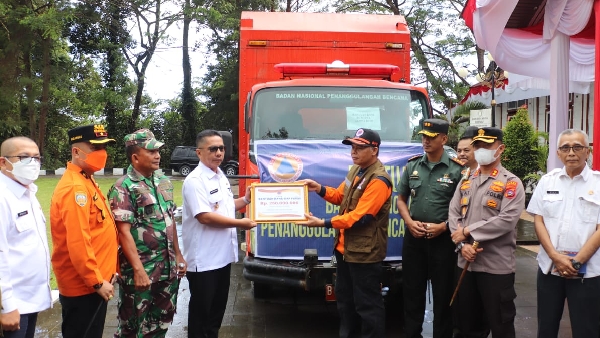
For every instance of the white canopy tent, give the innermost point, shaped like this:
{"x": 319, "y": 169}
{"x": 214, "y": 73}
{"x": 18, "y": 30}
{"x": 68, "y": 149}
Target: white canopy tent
{"x": 561, "y": 56}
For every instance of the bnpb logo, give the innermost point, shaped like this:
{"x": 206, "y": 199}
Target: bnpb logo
{"x": 285, "y": 167}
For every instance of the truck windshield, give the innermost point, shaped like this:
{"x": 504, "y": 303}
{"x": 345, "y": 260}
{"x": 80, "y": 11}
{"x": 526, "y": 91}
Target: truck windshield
{"x": 306, "y": 113}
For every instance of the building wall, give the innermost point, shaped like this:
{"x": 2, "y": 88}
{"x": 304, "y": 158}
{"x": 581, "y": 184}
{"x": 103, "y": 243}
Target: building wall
{"x": 581, "y": 113}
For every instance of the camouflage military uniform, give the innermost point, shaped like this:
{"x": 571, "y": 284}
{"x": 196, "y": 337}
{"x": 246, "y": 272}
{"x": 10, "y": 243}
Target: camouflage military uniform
{"x": 147, "y": 204}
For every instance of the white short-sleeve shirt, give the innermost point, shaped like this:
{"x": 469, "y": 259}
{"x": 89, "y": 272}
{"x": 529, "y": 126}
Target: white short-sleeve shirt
{"x": 24, "y": 253}
{"x": 206, "y": 247}
{"x": 571, "y": 212}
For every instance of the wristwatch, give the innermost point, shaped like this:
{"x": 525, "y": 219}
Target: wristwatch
{"x": 459, "y": 247}
{"x": 576, "y": 264}
{"x": 98, "y": 286}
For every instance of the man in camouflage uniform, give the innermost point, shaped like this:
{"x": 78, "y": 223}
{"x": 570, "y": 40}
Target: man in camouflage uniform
{"x": 151, "y": 262}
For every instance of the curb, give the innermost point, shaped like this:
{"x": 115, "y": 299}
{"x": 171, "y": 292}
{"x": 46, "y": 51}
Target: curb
{"x": 105, "y": 172}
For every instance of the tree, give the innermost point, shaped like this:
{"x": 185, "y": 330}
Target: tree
{"x": 521, "y": 154}
{"x": 152, "y": 19}
{"x": 438, "y": 39}
{"x": 189, "y": 107}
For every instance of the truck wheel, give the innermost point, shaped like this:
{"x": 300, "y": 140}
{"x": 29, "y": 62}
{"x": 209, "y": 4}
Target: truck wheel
{"x": 230, "y": 170}
{"x": 260, "y": 290}
{"x": 185, "y": 170}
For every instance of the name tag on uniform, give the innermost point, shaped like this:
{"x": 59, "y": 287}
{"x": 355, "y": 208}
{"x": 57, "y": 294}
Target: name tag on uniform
{"x": 552, "y": 192}
{"x": 214, "y": 191}
{"x": 22, "y": 213}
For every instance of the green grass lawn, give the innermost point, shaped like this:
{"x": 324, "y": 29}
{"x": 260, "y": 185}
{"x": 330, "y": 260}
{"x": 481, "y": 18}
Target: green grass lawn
{"x": 46, "y": 187}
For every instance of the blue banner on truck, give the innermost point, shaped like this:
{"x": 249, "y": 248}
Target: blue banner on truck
{"x": 326, "y": 162}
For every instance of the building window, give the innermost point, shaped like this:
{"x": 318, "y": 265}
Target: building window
{"x": 514, "y": 105}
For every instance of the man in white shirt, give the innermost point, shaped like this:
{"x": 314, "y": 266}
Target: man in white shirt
{"x": 24, "y": 254}
{"x": 566, "y": 207}
{"x": 209, "y": 236}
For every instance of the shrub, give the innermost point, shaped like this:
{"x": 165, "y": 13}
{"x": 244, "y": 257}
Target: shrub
{"x": 522, "y": 155}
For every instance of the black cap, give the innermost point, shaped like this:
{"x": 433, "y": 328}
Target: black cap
{"x": 488, "y": 135}
{"x": 470, "y": 132}
{"x": 364, "y": 136}
{"x": 92, "y": 133}
{"x": 433, "y": 127}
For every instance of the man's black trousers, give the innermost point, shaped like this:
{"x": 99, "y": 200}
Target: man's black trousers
{"x": 359, "y": 299}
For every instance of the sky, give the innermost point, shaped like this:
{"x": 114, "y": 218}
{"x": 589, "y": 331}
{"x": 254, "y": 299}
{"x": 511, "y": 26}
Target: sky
{"x": 164, "y": 76}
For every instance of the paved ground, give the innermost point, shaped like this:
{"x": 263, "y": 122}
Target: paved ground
{"x": 292, "y": 314}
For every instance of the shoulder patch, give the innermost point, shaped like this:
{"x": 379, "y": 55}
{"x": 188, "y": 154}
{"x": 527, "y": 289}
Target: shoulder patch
{"x": 511, "y": 189}
{"x": 414, "y": 157}
{"x": 457, "y": 161}
{"x": 81, "y": 198}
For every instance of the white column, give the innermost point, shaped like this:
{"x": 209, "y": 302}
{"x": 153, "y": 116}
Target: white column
{"x": 559, "y": 93}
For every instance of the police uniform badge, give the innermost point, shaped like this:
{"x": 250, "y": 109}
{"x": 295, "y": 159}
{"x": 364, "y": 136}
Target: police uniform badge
{"x": 445, "y": 179}
{"x": 511, "y": 190}
{"x": 414, "y": 175}
{"x": 81, "y": 198}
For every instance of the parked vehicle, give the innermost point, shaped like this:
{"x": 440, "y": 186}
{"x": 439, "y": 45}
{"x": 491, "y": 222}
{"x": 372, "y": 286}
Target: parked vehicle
{"x": 184, "y": 158}
{"x": 295, "y": 115}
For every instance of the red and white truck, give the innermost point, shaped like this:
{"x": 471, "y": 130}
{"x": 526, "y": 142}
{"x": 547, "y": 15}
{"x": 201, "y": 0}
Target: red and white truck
{"x": 307, "y": 80}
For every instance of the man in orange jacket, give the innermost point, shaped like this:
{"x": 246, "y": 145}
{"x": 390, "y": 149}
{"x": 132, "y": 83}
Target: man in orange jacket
{"x": 84, "y": 235}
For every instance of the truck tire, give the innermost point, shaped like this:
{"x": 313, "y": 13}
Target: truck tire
{"x": 230, "y": 170}
{"x": 185, "y": 170}
{"x": 260, "y": 290}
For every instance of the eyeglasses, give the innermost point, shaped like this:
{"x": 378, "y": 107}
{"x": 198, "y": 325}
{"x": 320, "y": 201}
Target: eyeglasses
{"x": 576, "y": 148}
{"x": 214, "y": 149}
{"x": 27, "y": 159}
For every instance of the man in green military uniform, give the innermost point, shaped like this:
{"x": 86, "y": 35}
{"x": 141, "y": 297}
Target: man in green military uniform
{"x": 429, "y": 181}
{"x": 151, "y": 262}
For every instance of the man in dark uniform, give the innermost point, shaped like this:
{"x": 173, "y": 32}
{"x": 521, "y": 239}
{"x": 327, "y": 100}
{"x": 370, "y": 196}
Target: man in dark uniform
{"x": 428, "y": 252}
{"x": 486, "y": 209}
{"x": 361, "y": 236}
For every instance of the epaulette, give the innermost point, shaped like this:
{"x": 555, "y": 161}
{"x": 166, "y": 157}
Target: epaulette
{"x": 414, "y": 157}
{"x": 455, "y": 159}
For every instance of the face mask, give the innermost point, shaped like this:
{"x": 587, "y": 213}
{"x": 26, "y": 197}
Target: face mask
{"x": 96, "y": 160}
{"x": 485, "y": 156}
{"x": 25, "y": 173}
